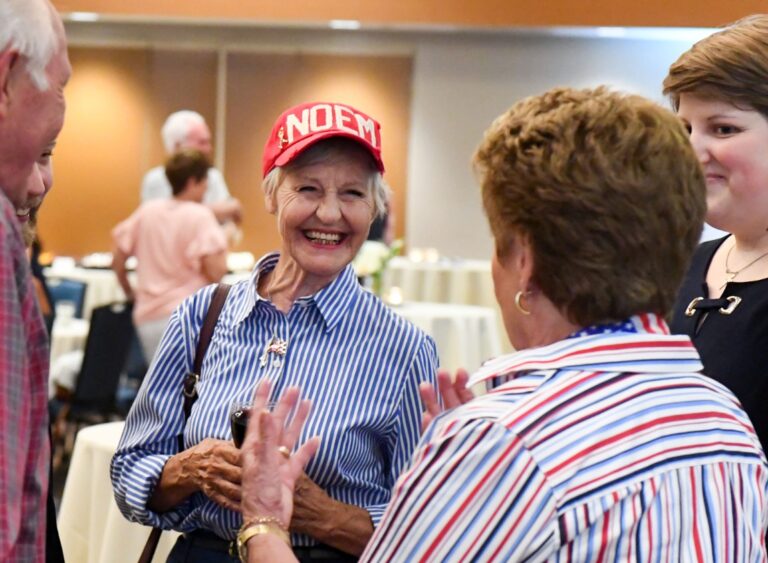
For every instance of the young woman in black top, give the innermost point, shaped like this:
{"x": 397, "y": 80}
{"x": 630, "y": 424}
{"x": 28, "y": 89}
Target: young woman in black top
{"x": 719, "y": 89}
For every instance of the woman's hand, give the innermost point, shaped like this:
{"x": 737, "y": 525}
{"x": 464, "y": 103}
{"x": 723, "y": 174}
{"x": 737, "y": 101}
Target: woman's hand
{"x": 453, "y": 391}
{"x": 212, "y": 466}
{"x": 343, "y": 526}
{"x": 275, "y": 485}
{"x": 269, "y": 476}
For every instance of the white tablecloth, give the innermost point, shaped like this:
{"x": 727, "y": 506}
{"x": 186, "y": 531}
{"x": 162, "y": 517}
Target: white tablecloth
{"x": 102, "y": 287}
{"x": 465, "y": 335}
{"x": 461, "y": 282}
{"x": 91, "y": 527}
{"x": 67, "y": 336}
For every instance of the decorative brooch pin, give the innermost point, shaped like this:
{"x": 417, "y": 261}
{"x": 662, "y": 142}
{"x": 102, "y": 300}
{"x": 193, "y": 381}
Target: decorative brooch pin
{"x": 276, "y": 346}
{"x": 724, "y": 305}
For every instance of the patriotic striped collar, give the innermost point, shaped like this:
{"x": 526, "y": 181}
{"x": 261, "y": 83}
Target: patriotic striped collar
{"x": 332, "y": 301}
{"x": 650, "y": 349}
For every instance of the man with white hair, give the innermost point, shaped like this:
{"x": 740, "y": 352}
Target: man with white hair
{"x": 187, "y": 129}
{"x": 34, "y": 68}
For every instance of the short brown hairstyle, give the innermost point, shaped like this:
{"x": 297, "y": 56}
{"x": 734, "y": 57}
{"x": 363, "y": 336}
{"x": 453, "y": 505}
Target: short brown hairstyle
{"x": 731, "y": 65}
{"x": 183, "y": 165}
{"x": 607, "y": 190}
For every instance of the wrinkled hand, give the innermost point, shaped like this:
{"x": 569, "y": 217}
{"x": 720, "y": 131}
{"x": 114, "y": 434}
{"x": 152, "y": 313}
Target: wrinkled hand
{"x": 269, "y": 478}
{"x": 214, "y": 466}
{"x": 453, "y": 391}
{"x": 309, "y": 500}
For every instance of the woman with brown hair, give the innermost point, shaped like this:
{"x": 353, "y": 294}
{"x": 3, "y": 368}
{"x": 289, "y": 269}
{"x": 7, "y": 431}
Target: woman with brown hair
{"x": 719, "y": 89}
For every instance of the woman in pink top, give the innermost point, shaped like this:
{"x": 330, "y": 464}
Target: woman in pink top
{"x": 178, "y": 244}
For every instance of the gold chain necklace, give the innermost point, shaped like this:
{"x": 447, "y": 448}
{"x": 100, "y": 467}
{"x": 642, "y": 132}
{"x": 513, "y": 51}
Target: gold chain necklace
{"x": 733, "y": 273}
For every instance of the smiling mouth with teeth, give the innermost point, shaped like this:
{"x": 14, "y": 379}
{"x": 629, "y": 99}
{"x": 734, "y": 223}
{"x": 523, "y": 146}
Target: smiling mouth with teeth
{"x": 328, "y": 239}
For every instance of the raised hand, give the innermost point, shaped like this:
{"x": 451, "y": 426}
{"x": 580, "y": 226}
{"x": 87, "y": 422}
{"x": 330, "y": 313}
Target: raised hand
{"x": 269, "y": 471}
{"x": 453, "y": 392}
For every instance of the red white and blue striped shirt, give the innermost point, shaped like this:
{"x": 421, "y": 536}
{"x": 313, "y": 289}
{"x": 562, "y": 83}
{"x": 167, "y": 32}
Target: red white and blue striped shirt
{"x": 358, "y": 361}
{"x": 602, "y": 447}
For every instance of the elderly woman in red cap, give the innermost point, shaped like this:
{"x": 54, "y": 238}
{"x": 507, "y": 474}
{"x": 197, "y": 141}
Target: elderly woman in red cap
{"x": 300, "y": 320}
{"x": 600, "y": 440}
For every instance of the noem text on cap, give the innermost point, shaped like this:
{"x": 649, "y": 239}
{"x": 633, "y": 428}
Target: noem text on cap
{"x": 321, "y": 117}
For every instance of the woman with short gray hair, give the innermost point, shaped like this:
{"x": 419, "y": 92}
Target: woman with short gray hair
{"x": 301, "y": 319}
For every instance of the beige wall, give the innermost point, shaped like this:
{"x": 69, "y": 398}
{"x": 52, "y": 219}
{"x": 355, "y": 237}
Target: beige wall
{"x": 116, "y": 102}
{"x": 97, "y": 162}
{"x": 460, "y": 81}
{"x": 473, "y": 80}
{"x": 491, "y": 13}
{"x": 119, "y": 97}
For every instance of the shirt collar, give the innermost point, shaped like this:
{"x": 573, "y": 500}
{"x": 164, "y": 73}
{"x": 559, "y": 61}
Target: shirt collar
{"x": 336, "y": 298}
{"x": 332, "y": 301}
{"x": 648, "y": 348}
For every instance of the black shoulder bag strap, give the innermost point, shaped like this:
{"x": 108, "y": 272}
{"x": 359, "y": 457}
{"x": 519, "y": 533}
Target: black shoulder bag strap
{"x": 189, "y": 390}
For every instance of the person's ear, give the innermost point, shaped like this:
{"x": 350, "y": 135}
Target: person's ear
{"x": 269, "y": 202}
{"x": 8, "y": 59}
{"x": 523, "y": 254}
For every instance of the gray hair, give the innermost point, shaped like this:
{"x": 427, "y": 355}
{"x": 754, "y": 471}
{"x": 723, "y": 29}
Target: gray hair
{"x": 176, "y": 128}
{"x": 328, "y": 150}
{"x": 27, "y": 26}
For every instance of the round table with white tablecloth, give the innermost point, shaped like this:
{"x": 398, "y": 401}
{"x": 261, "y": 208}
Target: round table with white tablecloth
{"x": 465, "y": 335}
{"x": 91, "y": 527}
{"x": 68, "y": 335}
{"x": 102, "y": 285}
{"x": 456, "y": 281}
{"x": 463, "y": 282}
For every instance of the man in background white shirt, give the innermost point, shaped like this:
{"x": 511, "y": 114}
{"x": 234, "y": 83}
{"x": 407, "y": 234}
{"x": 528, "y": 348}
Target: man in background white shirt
{"x": 187, "y": 129}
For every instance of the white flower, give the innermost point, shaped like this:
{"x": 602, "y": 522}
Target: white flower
{"x": 371, "y": 258}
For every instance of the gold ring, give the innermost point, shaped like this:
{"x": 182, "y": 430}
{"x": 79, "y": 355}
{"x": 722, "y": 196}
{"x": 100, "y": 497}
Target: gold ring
{"x": 285, "y": 451}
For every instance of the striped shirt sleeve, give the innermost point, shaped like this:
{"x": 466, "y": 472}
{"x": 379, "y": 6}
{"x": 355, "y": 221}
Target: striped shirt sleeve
{"x": 156, "y": 420}
{"x": 476, "y": 484}
{"x": 407, "y": 425}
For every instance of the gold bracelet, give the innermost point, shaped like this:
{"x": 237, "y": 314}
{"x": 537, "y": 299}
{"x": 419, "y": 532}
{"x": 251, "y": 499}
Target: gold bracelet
{"x": 264, "y": 520}
{"x": 273, "y": 526}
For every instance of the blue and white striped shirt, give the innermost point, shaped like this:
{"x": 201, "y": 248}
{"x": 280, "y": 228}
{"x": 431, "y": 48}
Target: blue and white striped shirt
{"x": 359, "y": 363}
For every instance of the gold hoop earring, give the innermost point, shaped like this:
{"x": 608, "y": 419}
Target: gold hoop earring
{"x": 519, "y": 303}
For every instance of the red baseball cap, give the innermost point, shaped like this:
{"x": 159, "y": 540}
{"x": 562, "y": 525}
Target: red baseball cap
{"x": 300, "y": 127}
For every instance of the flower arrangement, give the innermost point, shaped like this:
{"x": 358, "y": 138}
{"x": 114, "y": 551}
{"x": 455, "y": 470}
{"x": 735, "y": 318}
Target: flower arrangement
{"x": 372, "y": 260}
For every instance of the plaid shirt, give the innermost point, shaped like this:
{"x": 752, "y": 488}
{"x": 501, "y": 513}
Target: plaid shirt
{"x": 24, "y": 446}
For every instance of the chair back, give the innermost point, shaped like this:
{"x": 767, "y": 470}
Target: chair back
{"x": 106, "y": 350}
{"x": 68, "y": 290}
